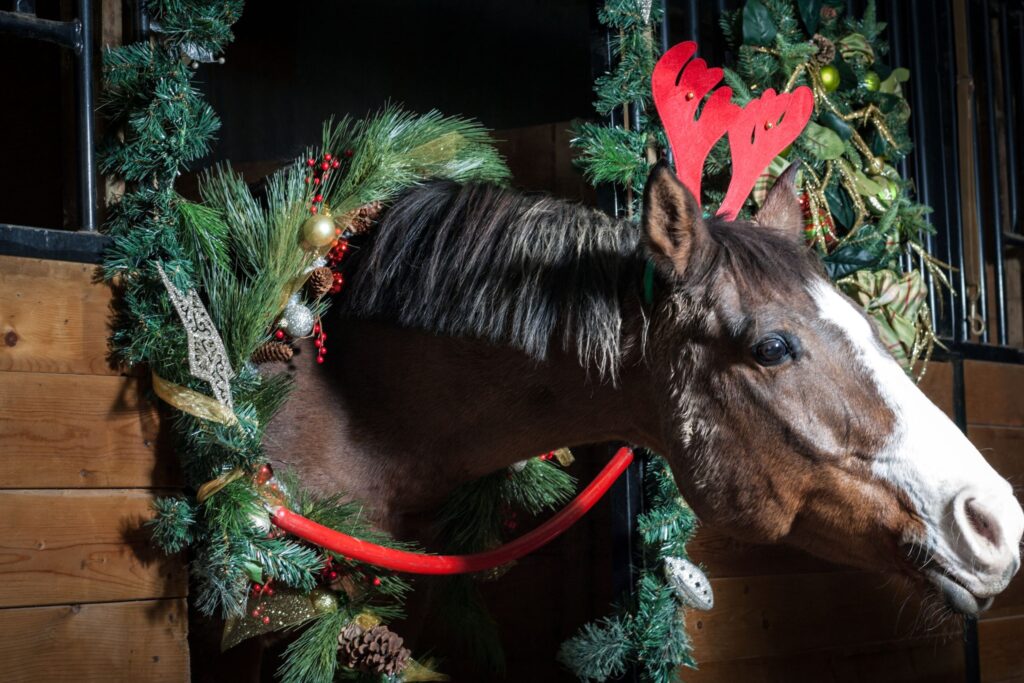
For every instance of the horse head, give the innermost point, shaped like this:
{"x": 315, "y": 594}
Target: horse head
{"x": 786, "y": 420}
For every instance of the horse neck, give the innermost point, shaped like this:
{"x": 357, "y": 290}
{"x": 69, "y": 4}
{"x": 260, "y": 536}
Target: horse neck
{"x": 398, "y": 418}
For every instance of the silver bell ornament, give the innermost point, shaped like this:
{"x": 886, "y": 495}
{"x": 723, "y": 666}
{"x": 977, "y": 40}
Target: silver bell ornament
{"x": 296, "y": 319}
{"x": 691, "y": 586}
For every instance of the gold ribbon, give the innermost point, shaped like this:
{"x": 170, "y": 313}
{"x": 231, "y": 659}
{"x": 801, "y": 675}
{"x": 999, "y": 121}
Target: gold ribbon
{"x": 192, "y": 402}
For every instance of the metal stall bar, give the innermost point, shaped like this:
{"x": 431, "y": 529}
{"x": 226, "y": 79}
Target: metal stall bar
{"x": 1005, "y": 27}
{"x": 980, "y": 297}
{"x": 995, "y": 193}
{"x": 75, "y": 35}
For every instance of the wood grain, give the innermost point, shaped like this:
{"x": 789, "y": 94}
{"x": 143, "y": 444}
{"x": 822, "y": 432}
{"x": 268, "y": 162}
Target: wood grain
{"x": 114, "y": 642}
{"x": 79, "y": 431}
{"x": 53, "y": 317}
{"x": 936, "y": 660}
{"x": 1001, "y": 645}
{"x": 993, "y": 393}
{"x": 772, "y": 616}
{"x": 723, "y": 556}
{"x": 937, "y": 384}
{"x": 81, "y": 546}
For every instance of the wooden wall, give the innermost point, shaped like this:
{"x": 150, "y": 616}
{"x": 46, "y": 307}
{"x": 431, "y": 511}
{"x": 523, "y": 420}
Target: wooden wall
{"x": 82, "y": 596}
{"x": 783, "y": 616}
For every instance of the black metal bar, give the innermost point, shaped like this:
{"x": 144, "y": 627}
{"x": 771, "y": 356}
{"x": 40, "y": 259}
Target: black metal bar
{"x": 692, "y": 27}
{"x": 1010, "y": 112}
{"x": 979, "y": 216}
{"x": 64, "y": 33}
{"x": 59, "y": 245}
{"x": 86, "y": 125}
{"x": 995, "y": 192}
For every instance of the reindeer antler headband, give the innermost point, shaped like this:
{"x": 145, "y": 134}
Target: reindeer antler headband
{"x": 757, "y": 132}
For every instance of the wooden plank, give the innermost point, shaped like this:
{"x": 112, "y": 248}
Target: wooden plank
{"x": 723, "y": 556}
{"x": 53, "y": 317}
{"x": 131, "y": 642}
{"x": 999, "y": 643}
{"x": 937, "y": 384}
{"x": 80, "y": 431}
{"x": 993, "y": 393}
{"x": 780, "y": 616}
{"x": 936, "y": 660}
{"x": 81, "y": 546}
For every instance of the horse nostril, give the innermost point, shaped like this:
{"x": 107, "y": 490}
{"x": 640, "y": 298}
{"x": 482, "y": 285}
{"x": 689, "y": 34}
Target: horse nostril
{"x": 982, "y": 522}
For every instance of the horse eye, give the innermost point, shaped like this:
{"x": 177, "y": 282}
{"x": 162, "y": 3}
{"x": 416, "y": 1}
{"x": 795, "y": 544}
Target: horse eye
{"x": 771, "y": 350}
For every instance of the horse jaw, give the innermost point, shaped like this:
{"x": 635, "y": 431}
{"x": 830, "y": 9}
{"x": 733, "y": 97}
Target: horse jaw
{"x": 973, "y": 523}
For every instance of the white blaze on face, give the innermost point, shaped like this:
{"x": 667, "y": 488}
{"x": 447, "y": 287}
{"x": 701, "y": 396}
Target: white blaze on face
{"x": 974, "y": 522}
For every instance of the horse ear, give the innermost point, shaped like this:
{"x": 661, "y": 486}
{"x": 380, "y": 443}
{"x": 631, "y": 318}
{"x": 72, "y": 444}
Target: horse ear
{"x": 781, "y": 209}
{"x": 672, "y": 219}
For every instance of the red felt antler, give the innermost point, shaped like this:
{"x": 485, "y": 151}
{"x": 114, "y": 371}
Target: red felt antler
{"x": 678, "y": 88}
{"x": 757, "y": 132}
{"x": 764, "y": 128}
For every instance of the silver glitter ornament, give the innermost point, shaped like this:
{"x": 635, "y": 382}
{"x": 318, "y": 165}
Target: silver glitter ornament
{"x": 207, "y": 358}
{"x": 690, "y": 584}
{"x": 296, "y": 320}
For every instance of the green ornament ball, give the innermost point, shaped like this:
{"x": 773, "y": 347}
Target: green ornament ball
{"x": 872, "y": 82}
{"x": 881, "y": 202}
{"x": 830, "y": 77}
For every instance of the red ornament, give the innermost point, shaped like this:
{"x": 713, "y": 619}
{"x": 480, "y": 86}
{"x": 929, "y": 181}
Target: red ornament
{"x": 256, "y": 612}
{"x": 333, "y": 575}
{"x": 327, "y": 156}
{"x": 316, "y": 181}
{"x": 266, "y": 620}
{"x": 312, "y": 209}
{"x": 376, "y": 581}
{"x": 325, "y": 165}
{"x": 318, "y": 198}
{"x": 335, "y": 164}
{"x": 310, "y": 162}
{"x": 279, "y": 335}
{"x": 320, "y": 360}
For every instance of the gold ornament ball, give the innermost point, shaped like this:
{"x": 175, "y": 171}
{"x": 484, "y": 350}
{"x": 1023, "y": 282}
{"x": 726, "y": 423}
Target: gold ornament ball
{"x": 318, "y": 231}
{"x": 872, "y": 81}
{"x": 830, "y": 78}
{"x": 323, "y": 600}
{"x": 875, "y": 166}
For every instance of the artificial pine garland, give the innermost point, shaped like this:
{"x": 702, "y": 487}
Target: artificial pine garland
{"x": 647, "y": 631}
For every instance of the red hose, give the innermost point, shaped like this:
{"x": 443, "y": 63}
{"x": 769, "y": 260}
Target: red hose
{"x": 419, "y": 563}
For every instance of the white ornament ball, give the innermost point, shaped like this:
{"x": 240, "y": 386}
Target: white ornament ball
{"x": 689, "y": 582}
{"x": 318, "y": 231}
{"x": 260, "y": 522}
{"x": 296, "y": 320}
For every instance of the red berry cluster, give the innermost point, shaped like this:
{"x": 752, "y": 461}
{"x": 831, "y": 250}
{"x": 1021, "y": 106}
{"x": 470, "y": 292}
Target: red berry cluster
{"x": 320, "y": 340}
{"x": 547, "y": 456}
{"x": 261, "y": 591}
{"x": 320, "y": 171}
{"x": 330, "y": 573}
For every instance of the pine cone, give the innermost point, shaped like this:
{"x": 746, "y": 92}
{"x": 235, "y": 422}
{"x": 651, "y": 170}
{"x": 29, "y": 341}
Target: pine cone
{"x": 273, "y": 352}
{"x": 826, "y": 49}
{"x": 366, "y": 216}
{"x": 320, "y": 281}
{"x": 377, "y": 650}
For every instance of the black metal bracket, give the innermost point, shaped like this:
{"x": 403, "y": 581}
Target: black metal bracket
{"x": 59, "y": 245}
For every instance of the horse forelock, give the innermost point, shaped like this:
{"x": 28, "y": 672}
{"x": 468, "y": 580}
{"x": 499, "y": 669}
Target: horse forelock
{"x": 534, "y": 272}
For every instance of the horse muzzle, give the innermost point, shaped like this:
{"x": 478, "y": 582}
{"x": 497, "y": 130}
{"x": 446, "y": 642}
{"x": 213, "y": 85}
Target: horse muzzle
{"x": 977, "y": 552}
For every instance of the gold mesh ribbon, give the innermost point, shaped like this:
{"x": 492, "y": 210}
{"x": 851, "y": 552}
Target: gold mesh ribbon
{"x": 192, "y": 402}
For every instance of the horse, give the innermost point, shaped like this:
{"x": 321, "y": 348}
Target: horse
{"x": 482, "y": 325}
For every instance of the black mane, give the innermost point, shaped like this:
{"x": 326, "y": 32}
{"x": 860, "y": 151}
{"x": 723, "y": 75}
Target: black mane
{"x": 516, "y": 269}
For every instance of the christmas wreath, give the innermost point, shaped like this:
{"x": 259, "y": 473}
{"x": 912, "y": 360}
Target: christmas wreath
{"x": 215, "y": 291}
